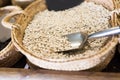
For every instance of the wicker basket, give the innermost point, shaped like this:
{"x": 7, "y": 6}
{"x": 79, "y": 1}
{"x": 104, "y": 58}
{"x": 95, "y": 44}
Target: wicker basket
{"x": 8, "y": 55}
{"x": 96, "y": 62}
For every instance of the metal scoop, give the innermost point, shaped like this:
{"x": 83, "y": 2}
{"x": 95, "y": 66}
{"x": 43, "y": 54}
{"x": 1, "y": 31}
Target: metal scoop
{"x": 78, "y": 39}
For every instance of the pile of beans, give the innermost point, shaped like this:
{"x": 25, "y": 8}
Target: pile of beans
{"x": 43, "y": 35}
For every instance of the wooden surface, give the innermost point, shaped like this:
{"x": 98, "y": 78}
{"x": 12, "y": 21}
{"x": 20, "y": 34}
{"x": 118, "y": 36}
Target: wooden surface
{"x": 27, "y": 74}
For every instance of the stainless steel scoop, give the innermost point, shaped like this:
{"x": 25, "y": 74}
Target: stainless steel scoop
{"x": 78, "y": 39}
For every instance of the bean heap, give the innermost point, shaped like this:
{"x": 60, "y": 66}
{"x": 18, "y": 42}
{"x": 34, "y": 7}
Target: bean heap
{"x": 43, "y": 35}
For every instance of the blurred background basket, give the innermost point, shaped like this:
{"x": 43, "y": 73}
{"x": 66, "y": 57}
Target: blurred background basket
{"x": 8, "y": 54}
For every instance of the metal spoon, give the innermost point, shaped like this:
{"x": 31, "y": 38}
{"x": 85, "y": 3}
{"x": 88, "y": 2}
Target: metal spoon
{"x": 78, "y": 39}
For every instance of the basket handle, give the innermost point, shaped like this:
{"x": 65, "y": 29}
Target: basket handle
{"x": 3, "y": 12}
{"x": 6, "y": 20}
{"x": 10, "y": 8}
{"x": 115, "y": 19}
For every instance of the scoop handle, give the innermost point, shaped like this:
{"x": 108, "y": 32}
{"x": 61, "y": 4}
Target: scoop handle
{"x": 107, "y": 32}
